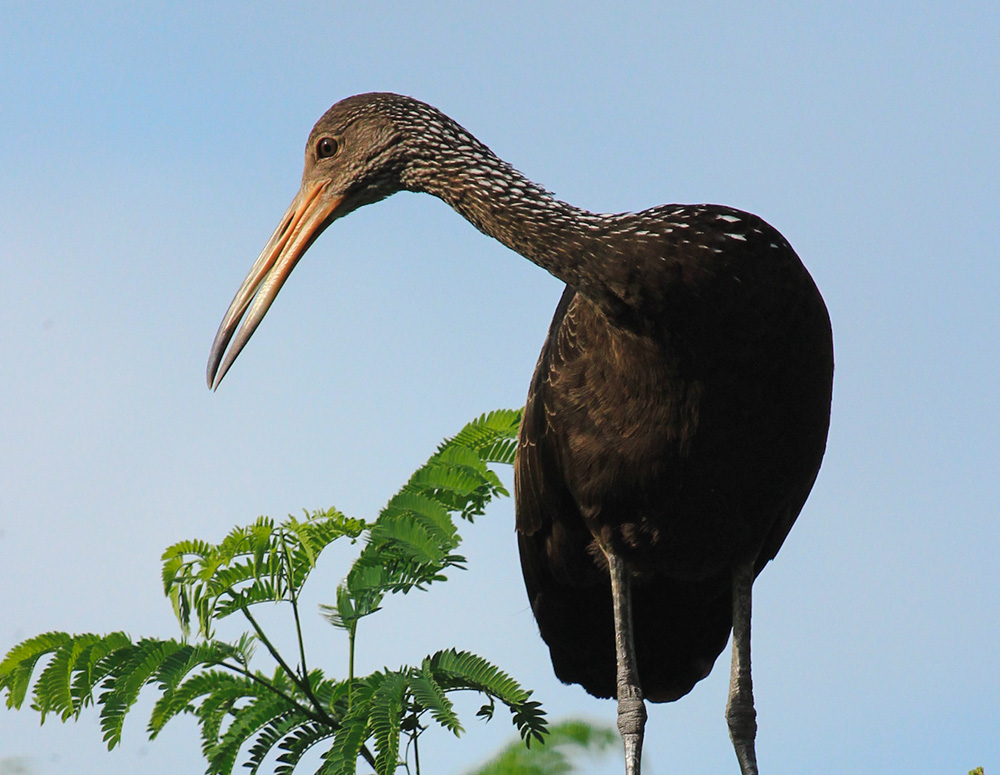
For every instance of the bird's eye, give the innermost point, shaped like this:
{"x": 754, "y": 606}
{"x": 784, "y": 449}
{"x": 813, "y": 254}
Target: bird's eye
{"x": 326, "y": 147}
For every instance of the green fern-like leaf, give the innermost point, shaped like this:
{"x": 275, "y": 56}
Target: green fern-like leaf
{"x": 412, "y": 542}
{"x": 501, "y": 451}
{"x": 270, "y": 735}
{"x": 65, "y": 684}
{"x": 20, "y": 661}
{"x": 462, "y": 670}
{"x": 255, "y": 570}
{"x": 456, "y": 472}
{"x": 178, "y": 693}
{"x": 529, "y": 718}
{"x": 183, "y": 698}
{"x": 224, "y": 693}
{"x": 298, "y": 742}
{"x": 344, "y": 615}
{"x": 53, "y": 690}
{"x": 411, "y": 539}
{"x": 431, "y": 696}
{"x": 195, "y": 547}
{"x": 385, "y": 717}
{"x": 94, "y": 664}
{"x": 566, "y": 742}
{"x": 254, "y": 593}
{"x": 342, "y": 756}
{"x": 493, "y": 435}
{"x": 426, "y": 511}
{"x": 126, "y": 681}
{"x": 258, "y": 563}
{"x": 261, "y": 711}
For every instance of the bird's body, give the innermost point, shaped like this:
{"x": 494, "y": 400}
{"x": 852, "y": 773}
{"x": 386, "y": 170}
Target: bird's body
{"x": 684, "y": 440}
{"x": 676, "y": 419}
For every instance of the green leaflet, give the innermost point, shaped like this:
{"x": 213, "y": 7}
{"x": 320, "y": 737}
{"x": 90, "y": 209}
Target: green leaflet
{"x": 179, "y": 693}
{"x": 251, "y": 717}
{"x": 17, "y": 666}
{"x": 385, "y": 716}
{"x": 492, "y": 436}
{"x": 273, "y": 732}
{"x": 126, "y": 679}
{"x": 258, "y": 563}
{"x": 54, "y": 691}
{"x": 431, "y": 695}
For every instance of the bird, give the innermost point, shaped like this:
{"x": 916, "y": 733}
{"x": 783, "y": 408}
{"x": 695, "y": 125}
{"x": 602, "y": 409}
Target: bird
{"x": 677, "y": 416}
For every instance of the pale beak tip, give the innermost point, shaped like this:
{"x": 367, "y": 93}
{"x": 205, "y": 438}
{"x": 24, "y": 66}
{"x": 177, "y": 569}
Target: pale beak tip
{"x": 309, "y": 213}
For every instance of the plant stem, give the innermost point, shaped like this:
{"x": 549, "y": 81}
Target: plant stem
{"x": 301, "y": 681}
{"x": 320, "y": 719}
{"x": 320, "y": 713}
{"x": 350, "y": 663}
{"x": 293, "y": 595}
{"x": 273, "y": 651}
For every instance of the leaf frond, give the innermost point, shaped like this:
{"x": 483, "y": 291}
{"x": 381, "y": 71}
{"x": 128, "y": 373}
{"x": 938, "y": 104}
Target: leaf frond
{"x": 431, "y": 696}
{"x": 250, "y": 718}
{"x": 19, "y": 663}
{"x": 385, "y": 718}
{"x": 125, "y": 681}
{"x": 463, "y": 670}
{"x": 270, "y": 735}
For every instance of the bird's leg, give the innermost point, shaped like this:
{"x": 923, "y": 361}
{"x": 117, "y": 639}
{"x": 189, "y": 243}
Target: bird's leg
{"x": 740, "y": 712}
{"x": 631, "y": 709}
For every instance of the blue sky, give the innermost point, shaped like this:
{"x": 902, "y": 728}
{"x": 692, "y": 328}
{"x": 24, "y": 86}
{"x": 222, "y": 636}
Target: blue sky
{"x": 146, "y": 155}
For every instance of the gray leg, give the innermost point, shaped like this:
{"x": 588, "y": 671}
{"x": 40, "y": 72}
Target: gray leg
{"x": 740, "y": 712}
{"x": 631, "y": 710}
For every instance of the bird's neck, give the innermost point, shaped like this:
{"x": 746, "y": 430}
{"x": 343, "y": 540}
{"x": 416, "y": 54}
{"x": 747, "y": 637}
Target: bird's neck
{"x": 499, "y": 201}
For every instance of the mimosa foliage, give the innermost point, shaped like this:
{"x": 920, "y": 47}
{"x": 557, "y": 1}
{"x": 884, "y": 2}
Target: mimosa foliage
{"x": 246, "y": 714}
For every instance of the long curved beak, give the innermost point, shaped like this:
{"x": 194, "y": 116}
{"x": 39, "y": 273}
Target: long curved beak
{"x": 307, "y": 216}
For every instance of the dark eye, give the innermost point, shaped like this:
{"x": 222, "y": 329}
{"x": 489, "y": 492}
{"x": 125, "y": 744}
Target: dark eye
{"x": 326, "y": 147}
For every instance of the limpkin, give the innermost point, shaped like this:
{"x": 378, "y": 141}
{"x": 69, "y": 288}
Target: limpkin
{"x": 675, "y": 422}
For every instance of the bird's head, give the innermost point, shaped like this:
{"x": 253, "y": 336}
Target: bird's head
{"x": 355, "y": 155}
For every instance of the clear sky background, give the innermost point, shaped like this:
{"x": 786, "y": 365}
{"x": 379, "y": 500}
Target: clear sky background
{"x": 146, "y": 155}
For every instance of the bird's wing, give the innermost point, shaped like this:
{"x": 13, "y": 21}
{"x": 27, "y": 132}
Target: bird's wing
{"x": 553, "y": 539}
{"x": 538, "y": 491}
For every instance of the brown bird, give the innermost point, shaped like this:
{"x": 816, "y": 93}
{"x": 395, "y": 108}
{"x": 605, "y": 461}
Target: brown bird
{"x": 675, "y": 422}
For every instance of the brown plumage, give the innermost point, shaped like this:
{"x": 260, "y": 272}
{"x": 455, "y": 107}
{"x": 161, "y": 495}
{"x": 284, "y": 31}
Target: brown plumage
{"x": 684, "y": 444}
{"x": 676, "y": 419}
